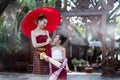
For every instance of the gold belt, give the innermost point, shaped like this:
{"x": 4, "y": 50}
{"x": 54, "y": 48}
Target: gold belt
{"x": 41, "y": 49}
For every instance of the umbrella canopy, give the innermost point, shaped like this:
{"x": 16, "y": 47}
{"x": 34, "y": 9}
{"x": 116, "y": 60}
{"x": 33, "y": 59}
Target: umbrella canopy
{"x": 29, "y": 22}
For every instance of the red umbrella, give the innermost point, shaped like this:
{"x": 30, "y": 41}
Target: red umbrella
{"x": 29, "y": 21}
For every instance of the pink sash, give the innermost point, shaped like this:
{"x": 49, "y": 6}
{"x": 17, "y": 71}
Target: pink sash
{"x": 54, "y": 76}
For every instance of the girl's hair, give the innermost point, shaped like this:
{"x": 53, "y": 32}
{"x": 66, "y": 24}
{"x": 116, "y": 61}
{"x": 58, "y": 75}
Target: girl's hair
{"x": 41, "y": 17}
{"x": 62, "y": 38}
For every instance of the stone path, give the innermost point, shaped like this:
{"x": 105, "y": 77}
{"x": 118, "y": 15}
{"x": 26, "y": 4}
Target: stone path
{"x": 71, "y": 76}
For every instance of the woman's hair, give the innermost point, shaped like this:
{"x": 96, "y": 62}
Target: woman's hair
{"x": 41, "y": 17}
{"x": 62, "y": 38}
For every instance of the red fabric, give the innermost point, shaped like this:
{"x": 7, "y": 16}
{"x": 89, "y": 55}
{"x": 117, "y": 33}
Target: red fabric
{"x": 41, "y": 39}
{"x": 41, "y": 66}
{"x": 29, "y": 21}
{"x": 63, "y": 74}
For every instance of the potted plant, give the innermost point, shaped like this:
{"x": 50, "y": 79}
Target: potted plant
{"x": 88, "y": 68}
{"x": 82, "y": 62}
{"x": 75, "y": 62}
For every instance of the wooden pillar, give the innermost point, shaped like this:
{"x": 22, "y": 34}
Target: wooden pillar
{"x": 108, "y": 60}
{"x": 103, "y": 26}
{"x": 112, "y": 39}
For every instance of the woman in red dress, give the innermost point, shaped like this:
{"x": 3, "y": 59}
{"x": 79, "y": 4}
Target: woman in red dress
{"x": 40, "y": 41}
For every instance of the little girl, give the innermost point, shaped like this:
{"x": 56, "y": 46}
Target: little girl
{"x": 59, "y": 54}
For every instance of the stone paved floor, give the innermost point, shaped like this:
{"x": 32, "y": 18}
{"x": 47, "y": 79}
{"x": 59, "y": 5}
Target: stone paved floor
{"x": 71, "y": 76}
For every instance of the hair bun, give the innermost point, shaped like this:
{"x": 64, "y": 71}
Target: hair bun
{"x": 62, "y": 38}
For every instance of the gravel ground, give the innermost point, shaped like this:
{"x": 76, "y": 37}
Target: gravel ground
{"x": 71, "y": 76}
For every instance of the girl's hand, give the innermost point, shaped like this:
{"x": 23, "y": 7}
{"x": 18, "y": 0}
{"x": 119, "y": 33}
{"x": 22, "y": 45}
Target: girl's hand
{"x": 68, "y": 70}
{"x": 48, "y": 40}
